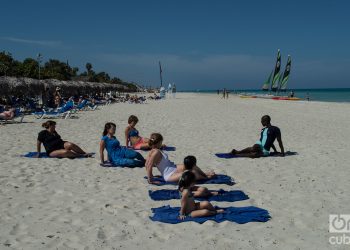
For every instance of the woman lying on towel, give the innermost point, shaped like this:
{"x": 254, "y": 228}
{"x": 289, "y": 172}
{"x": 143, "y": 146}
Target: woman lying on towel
{"x": 170, "y": 172}
{"x": 118, "y": 155}
{"x": 55, "y": 146}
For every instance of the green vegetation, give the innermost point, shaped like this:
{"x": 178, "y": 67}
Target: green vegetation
{"x": 54, "y": 69}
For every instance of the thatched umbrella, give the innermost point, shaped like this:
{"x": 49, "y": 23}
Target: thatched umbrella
{"x": 4, "y": 86}
{"x": 34, "y": 86}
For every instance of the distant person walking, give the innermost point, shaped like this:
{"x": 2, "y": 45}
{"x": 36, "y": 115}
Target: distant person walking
{"x": 224, "y": 93}
{"x": 307, "y": 96}
{"x": 174, "y": 90}
{"x": 169, "y": 90}
{"x": 227, "y": 92}
{"x": 218, "y": 92}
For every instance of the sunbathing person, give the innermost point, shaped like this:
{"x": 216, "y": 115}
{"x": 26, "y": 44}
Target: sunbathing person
{"x": 118, "y": 155}
{"x": 190, "y": 162}
{"x": 8, "y": 115}
{"x": 132, "y": 137}
{"x": 55, "y": 146}
{"x": 188, "y": 206}
{"x": 262, "y": 147}
{"x": 170, "y": 172}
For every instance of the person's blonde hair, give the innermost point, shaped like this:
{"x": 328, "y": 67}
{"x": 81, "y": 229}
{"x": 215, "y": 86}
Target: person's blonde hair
{"x": 154, "y": 139}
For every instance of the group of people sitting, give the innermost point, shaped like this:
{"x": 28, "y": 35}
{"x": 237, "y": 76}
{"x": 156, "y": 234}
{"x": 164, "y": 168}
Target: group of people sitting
{"x": 186, "y": 173}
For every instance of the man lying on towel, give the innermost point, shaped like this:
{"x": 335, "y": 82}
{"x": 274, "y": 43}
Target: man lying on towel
{"x": 262, "y": 147}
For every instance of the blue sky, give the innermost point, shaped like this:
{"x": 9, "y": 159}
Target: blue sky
{"x": 201, "y": 44}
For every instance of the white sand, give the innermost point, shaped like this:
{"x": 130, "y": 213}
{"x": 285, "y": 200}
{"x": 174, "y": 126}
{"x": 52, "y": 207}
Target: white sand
{"x": 61, "y": 204}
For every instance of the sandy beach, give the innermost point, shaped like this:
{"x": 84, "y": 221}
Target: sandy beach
{"x": 76, "y": 204}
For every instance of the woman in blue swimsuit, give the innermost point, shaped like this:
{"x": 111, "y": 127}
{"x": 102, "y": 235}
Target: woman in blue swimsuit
{"x": 118, "y": 155}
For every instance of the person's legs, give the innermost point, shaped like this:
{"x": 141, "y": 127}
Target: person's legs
{"x": 131, "y": 158}
{"x": 131, "y": 163}
{"x": 205, "y": 205}
{"x": 73, "y": 147}
{"x": 200, "y": 191}
{"x": 202, "y": 213}
{"x": 64, "y": 153}
{"x": 132, "y": 154}
{"x": 251, "y": 152}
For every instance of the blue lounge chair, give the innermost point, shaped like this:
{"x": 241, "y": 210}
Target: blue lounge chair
{"x": 62, "y": 112}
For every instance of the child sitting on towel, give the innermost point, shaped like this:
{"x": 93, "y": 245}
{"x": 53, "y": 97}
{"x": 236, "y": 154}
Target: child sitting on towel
{"x": 188, "y": 206}
{"x": 189, "y": 162}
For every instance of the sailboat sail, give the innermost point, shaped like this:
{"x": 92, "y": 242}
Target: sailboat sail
{"x": 276, "y": 74}
{"x": 266, "y": 85}
{"x": 283, "y": 84}
{"x": 160, "y": 74}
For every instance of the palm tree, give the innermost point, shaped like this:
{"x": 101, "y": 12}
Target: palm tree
{"x": 88, "y": 67}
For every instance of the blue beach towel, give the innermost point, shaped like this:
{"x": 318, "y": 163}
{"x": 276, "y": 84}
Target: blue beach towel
{"x": 240, "y": 215}
{"x": 230, "y": 156}
{"x": 217, "y": 179}
{"x": 109, "y": 164}
{"x": 43, "y": 155}
{"x": 166, "y": 148}
{"x": 228, "y": 196}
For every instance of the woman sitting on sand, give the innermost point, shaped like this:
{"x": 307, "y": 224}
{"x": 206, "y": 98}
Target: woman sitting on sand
{"x": 188, "y": 206}
{"x": 119, "y": 156}
{"x": 170, "y": 172}
{"x": 132, "y": 136}
{"x": 55, "y": 146}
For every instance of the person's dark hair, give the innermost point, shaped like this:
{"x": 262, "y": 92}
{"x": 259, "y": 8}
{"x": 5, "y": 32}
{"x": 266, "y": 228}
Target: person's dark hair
{"x": 187, "y": 178}
{"x": 154, "y": 139}
{"x": 133, "y": 118}
{"x": 48, "y": 124}
{"x": 108, "y": 126}
{"x": 190, "y": 161}
{"x": 266, "y": 119}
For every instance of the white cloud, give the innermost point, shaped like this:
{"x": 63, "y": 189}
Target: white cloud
{"x": 34, "y": 42}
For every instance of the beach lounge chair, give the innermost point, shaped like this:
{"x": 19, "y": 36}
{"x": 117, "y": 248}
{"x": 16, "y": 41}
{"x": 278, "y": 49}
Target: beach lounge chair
{"x": 62, "y": 112}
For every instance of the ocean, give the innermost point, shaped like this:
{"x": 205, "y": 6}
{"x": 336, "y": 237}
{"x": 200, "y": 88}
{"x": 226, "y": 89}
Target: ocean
{"x": 322, "y": 95}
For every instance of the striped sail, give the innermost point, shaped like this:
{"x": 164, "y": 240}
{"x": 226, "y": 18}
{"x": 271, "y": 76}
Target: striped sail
{"x": 266, "y": 85}
{"x": 283, "y": 84}
{"x": 276, "y": 74}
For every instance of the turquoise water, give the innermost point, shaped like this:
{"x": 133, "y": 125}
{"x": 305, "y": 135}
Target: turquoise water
{"x": 324, "y": 95}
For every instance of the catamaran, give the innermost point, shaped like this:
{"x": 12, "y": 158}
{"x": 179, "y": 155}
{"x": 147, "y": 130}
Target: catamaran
{"x": 276, "y": 81}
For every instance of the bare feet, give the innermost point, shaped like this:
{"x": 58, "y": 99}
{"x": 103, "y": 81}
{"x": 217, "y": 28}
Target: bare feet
{"x": 210, "y": 174}
{"x": 220, "y": 211}
{"x": 234, "y": 151}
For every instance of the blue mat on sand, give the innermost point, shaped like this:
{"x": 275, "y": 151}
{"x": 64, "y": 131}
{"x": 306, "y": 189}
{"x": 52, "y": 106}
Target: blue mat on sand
{"x": 108, "y": 164}
{"x": 217, "y": 179}
{"x": 240, "y": 215}
{"x": 230, "y": 156}
{"x": 42, "y": 155}
{"x": 166, "y": 148}
{"x": 228, "y": 196}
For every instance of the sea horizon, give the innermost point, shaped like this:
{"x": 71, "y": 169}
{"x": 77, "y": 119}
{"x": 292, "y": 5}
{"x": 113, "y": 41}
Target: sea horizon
{"x": 315, "y": 94}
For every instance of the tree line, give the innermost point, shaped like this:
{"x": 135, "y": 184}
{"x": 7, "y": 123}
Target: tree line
{"x": 54, "y": 69}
